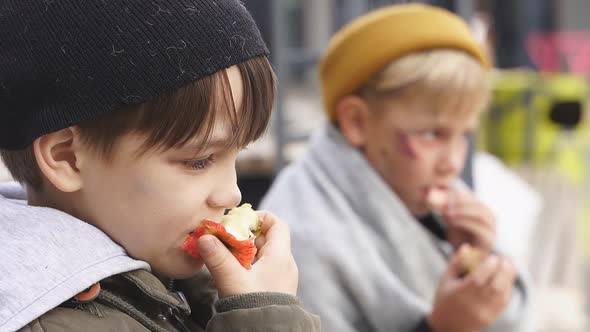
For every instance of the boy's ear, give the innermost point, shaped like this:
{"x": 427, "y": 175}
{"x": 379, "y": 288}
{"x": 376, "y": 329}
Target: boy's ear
{"x": 352, "y": 114}
{"x": 58, "y": 155}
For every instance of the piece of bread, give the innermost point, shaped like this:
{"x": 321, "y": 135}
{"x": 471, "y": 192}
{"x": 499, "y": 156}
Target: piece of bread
{"x": 437, "y": 199}
{"x": 469, "y": 260}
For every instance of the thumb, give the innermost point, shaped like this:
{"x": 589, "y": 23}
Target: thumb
{"x": 218, "y": 259}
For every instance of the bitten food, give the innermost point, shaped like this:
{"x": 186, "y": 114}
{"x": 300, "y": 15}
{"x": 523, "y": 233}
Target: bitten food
{"x": 237, "y": 230}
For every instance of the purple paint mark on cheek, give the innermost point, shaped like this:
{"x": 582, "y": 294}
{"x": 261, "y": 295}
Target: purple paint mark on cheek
{"x": 142, "y": 186}
{"x": 145, "y": 189}
{"x": 406, "y": 146}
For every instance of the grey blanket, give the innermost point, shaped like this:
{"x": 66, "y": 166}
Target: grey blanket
{"x": 365, "y": 263}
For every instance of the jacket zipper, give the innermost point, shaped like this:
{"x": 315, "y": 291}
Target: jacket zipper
{"x": 174, "y": 313}
{"x": 178, "y": 321}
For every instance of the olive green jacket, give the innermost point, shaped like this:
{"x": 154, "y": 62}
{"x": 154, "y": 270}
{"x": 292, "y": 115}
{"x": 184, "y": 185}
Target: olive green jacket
{"x": 138, "y": 301}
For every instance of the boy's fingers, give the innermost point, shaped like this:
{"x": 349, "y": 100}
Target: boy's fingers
{"x": 475, "y": 213}
{"x": 466, "y": 204}
{"x": 465, "y": 197}
{"x": 277, "y": 238}
{"x": 217, "y": 258}
{"x": 260, "y": 241}
{"x": 504, "y": 280}
{"x": 267, "y": 219}
{"x": 461, "y": 217}
{"x": 485, "y": 273}
{"x": 481, "y": 233}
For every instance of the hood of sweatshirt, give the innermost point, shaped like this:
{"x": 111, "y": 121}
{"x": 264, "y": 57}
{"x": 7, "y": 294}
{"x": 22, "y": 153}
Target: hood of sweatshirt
{"x": 47, "y": 257}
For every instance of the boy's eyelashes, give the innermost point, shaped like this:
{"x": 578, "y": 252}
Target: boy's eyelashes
{"x": 428, "y": 134}
{"x": 199, "y": 164}
{"x": 206, "y": 162}
{"x": 439, "y": 134}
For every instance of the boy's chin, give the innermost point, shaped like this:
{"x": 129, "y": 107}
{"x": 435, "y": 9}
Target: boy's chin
{"x": 186, "y": 268}
{"x": 420, "y": 210}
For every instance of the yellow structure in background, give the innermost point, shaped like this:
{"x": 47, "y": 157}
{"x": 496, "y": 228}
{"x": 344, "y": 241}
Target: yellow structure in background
{"x": 538, "y": 120}
{"x": 537, "y": 124}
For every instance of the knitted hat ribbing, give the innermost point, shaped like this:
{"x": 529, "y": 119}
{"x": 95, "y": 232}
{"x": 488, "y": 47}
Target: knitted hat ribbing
{"x": 62, "y": 62}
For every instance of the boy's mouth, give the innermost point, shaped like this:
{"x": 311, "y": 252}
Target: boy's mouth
{"x": 197, "y": 222}
{"x": 438, "y": 187}
{"x": 437, "y": 197}
{"x": 237, "y": 231}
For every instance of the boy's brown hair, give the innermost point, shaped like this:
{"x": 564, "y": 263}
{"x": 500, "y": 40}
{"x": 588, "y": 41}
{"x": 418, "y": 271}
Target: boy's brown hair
{"x": 172, "y": 119}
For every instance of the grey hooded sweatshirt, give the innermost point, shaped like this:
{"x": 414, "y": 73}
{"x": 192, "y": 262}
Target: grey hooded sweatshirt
{"x": 48, "y": 257}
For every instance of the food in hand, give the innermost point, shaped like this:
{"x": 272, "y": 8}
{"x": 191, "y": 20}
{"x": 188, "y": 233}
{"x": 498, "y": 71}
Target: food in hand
{"x": 437, "y": 199}
{"x": 237, "y": 230}
{"x": 469, "y": 260}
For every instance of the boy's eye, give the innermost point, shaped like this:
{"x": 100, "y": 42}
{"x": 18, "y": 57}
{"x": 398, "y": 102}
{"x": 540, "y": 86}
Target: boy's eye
{"x": 199, "y": 164}
{"x": 468, "y": 134}
{"x": 428, "y": 135}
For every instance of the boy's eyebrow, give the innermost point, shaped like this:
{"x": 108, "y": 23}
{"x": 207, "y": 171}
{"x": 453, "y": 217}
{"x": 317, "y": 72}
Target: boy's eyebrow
{"x": 216, "y": 142}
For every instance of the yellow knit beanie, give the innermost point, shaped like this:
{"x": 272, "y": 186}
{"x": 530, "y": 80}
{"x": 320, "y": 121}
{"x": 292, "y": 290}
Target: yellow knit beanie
{"x": 370, "y": 42}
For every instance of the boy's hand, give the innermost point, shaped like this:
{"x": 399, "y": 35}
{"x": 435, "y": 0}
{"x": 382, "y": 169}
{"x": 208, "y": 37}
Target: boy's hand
{"x": 274, "y": 270}
{"x": 474, "y": 302}
{"x": 469, "y": 221}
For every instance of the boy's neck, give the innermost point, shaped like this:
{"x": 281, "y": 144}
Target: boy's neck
{"x": 34, "y": 198}
{"x": 51, "y": 198}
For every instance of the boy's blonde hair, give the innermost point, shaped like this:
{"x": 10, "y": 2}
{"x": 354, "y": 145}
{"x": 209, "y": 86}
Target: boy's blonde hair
{"x": 450, "y": 79}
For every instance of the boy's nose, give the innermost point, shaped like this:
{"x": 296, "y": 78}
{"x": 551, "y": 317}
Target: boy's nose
{"x": 225, "y": 197}
{"x": 226, "y": 193}
{"x": 452, "y": 160}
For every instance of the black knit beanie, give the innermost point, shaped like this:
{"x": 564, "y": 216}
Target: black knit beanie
{"x": 65, "y": 61}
